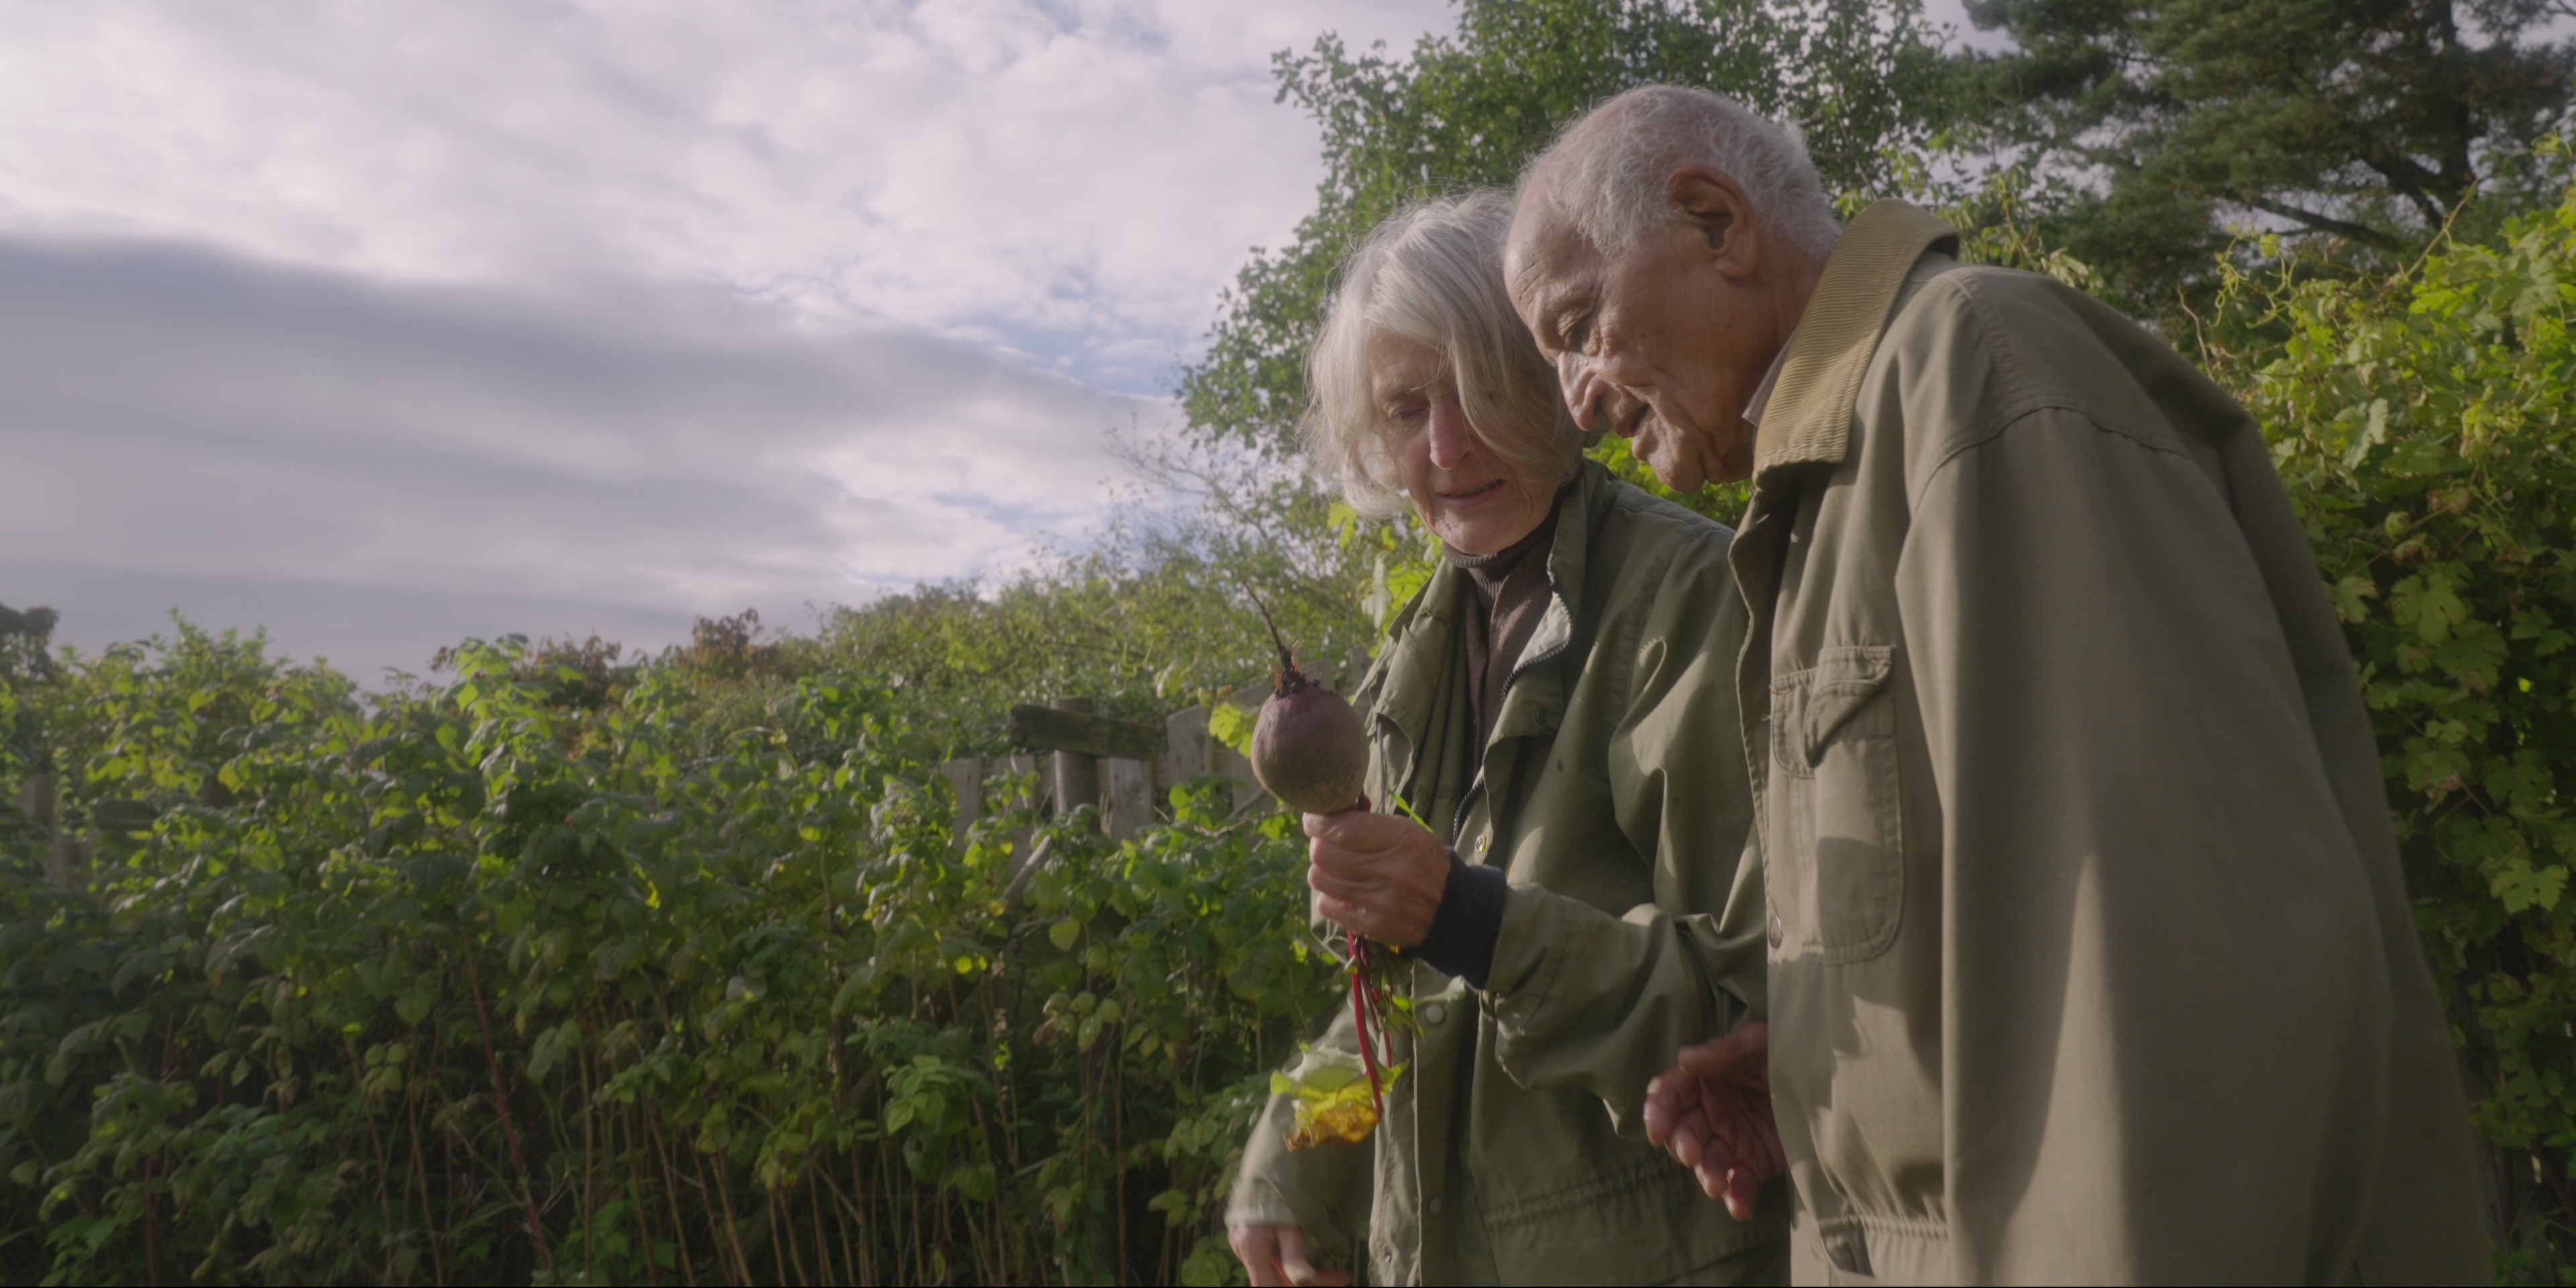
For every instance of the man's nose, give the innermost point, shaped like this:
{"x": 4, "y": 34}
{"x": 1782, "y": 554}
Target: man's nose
{"x": 1584, "y": 389}
{"x": 1453, "y": 440}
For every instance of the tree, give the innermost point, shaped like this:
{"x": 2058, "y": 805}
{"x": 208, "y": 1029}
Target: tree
{"x": 25, "y": 637}
{"x": 2368, "y": 121}
{"x": 1471, "y": 109}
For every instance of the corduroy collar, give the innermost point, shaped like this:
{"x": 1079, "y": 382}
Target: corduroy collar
{"x": 1808, "y": 416}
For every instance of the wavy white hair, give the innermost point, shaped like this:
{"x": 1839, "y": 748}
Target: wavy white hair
{"x": 1606, "y": 173}
{"x": 1433, "y": 274}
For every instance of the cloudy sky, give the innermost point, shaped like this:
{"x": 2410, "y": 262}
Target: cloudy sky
{"x": 383, "y": 325}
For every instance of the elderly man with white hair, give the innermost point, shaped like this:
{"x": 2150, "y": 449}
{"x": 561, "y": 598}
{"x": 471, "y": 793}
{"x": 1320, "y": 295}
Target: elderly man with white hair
{"x": 2090, "y": 960}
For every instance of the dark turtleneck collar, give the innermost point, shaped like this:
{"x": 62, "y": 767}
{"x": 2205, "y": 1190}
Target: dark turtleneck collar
{"x": 1507, "y": 593}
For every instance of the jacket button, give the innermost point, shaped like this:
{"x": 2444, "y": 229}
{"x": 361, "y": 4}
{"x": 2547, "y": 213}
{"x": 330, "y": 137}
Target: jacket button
{"x": 1434, "y": 1013}
{"x": 1774, "y": 932}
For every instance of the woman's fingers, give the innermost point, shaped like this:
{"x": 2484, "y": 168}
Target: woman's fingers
{"x": 1343, "y": 885}
{"x": 1712, "y": 1112}
{"x": 1392, "y": 849}
{"x": 1292, "y": 1257}
{"x": 1668, "y": 1097}
{"x": 1257, "y": 1247}
{"x": 1292, "y": 1261}
{"x": 1743, "y": 1188}
{"x": 1390, "y": 901}
{"x": 1275, "y": 1257}
{"x": 1365, "y": 832}
{"x": 1355, "y": 918}
{"x": 1690, "y": 1144}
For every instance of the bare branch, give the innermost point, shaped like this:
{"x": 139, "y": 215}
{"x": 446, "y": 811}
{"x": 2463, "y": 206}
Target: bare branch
{"x": 2321, "y": 222}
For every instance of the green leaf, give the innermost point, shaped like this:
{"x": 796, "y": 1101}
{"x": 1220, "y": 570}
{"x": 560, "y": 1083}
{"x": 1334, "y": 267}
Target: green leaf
{"x": 1232, "y": 726}
{"x": 549, "y": 1050}
{"x": 2519, "y": 886}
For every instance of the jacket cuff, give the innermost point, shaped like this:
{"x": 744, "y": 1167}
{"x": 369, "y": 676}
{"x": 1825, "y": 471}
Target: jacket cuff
{"x": 1467, "y": 923}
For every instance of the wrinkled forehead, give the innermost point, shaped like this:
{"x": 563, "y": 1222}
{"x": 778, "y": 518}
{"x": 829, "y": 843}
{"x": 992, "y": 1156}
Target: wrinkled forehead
{"x": 1546, "y": 257}
{"x": 1399, "y": 363}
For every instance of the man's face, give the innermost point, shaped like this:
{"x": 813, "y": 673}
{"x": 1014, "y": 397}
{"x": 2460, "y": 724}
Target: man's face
{"x": 1661, "y": 344}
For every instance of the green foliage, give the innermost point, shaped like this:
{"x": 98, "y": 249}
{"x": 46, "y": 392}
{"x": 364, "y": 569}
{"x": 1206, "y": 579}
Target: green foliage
{"x": 1469, "y": 110}
{"x": 24, "y": 640}
{"x": 24, "y": 637}
{"x": 2361, "y": 120}
{"x": 493, "y": 982}
{"x": 2426, "y": 426}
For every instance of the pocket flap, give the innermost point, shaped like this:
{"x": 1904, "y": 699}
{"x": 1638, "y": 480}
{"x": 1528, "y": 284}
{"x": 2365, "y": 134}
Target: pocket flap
{"x": 1843, "y": 681}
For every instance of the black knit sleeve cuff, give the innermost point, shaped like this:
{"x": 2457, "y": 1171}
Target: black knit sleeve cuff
{"x": 1470, "y": 919}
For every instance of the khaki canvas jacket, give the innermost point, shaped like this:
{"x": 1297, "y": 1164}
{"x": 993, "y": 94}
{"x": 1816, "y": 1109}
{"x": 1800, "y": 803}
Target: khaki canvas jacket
{"x": 1512, "y": 1150}
{"x": 2090, "y": 957}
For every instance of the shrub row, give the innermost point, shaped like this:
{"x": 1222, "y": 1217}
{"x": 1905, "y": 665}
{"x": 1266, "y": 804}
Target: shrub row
{"x": 479, "y": 987}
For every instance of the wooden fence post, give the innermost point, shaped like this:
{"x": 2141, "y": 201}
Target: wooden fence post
{"x": 1083, "y": 744}
{"x": 1248, "y": 791}
{"x": 1075, "y": 781}
{"x": 1127, "y": 796}
{"x": 64, "y": 857}
{"x": 966, "y": 780}
{"x": 1019, "y": 769}
{"x": 36, "y": 800}
{"x": 1185, "y": 751}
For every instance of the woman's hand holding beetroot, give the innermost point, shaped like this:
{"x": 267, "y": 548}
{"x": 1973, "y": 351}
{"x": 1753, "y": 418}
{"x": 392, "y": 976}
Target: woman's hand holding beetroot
{"x": 1379, "y": 876}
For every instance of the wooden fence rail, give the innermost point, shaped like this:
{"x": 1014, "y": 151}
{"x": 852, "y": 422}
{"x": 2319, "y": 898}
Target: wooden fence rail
{"x": 1120, "y": 767}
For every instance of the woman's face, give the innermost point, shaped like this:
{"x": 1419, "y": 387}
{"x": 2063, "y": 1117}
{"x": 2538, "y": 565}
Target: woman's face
{"x": 1475, "y": 502}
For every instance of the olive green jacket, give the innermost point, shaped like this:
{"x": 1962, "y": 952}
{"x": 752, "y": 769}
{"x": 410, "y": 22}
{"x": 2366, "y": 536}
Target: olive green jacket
{"x": 1513, "y": 1150}
{"x": 2090, "y": 956}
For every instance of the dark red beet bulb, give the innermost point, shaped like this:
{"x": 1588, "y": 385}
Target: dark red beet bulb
{"x": 1308, "y": 748}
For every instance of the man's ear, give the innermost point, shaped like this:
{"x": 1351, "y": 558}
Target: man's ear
{"x": 1712, "y": 203}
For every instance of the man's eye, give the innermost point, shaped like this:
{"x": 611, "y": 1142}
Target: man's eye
{"x": 1576, "y": 330}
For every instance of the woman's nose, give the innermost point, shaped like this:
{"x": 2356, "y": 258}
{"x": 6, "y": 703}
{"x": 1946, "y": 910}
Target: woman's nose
{"x": 1453, "y": 441}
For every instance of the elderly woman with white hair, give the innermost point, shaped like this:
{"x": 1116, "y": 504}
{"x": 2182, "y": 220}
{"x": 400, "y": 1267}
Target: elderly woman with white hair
{"x": 1575, "y": 903}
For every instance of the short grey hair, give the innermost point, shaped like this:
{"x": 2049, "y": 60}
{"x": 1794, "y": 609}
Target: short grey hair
{"x": 1433, "y": 274}
{"x": 1607, "y": 172}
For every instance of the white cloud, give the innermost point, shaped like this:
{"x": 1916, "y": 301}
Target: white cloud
{"x": 384, "y": 324}
{"x": 1071, "y": 177}
{"x": 658, "y": 454}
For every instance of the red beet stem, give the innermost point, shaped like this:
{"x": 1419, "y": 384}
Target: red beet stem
{"x": 1361, "y": 1015}
{"x": 1289, "y": 678}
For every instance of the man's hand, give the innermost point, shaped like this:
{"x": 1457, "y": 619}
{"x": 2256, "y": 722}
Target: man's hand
{"x": 1276, "y": 1254}
{"x": 1712, "y": 1110}
{"x": 1376, "y": 875}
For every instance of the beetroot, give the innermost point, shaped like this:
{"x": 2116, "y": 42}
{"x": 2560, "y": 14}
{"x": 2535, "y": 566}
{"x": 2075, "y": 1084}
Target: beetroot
{"x": 1308, "y": 748}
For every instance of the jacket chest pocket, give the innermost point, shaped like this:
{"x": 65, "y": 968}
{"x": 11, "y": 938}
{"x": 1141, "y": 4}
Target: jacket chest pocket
{"x": 1834, "y": 852}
